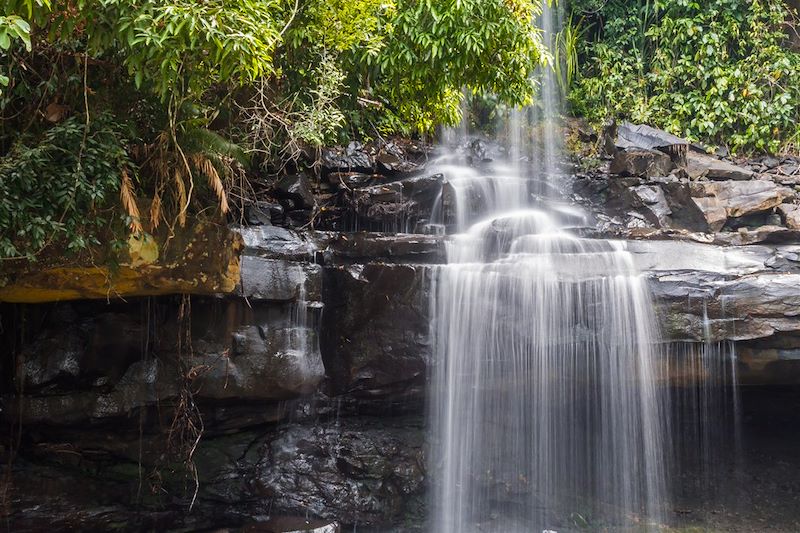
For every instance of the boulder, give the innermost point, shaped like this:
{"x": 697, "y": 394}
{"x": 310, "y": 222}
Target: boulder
{"x": 394, "y": 163}
{"x": 713, "y": 211}
{"x": 649, "y": 138}
{"x": 272, "y": 242}
{"x": 741, "y": 198}
{"x": 790, "y": 213}
{"x": 654, "y": 203}
{"x": 702, "y": 165}
{"x": 353, "y": 158}
{"x": 297, "y": 190}
{"x": 641, "y": 162}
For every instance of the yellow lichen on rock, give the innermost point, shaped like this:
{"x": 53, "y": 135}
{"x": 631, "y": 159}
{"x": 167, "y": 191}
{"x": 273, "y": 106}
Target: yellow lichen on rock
{"x": 148, "y": 273}
{"x": 143, "y": 249}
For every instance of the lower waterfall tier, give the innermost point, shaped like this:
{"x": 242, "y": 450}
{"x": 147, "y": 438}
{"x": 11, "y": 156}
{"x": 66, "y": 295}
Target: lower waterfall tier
{"x": 289, "y": 429}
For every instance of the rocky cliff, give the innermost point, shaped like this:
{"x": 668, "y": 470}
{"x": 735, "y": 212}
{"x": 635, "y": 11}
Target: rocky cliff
{"x": 300, "y": 390}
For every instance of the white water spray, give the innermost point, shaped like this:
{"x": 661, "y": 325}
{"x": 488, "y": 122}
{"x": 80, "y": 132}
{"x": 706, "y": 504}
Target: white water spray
{"x": 546, "y": 412}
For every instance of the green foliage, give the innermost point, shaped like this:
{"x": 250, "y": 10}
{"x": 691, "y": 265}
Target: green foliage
{"x": 182, "y": 46}
{"x": 716, "y": 71}
{"x": 435, "y": 48}
{"x": 13, "y": 27}
{"x": 188, "y": 81}
{"x": 565, "y": 60}
{"x": 319, "y": 120}
{"x": 59, "y": 189}
{"x": 406, "y": 62}
{"x": 343, "y": 25}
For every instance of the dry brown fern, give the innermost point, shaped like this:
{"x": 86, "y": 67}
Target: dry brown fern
{"x": 128, "y": 199}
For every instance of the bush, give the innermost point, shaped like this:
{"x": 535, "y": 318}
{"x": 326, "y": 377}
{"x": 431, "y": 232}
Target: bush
{"x": 716, "y": 71}
{"x": 59, "y": 189}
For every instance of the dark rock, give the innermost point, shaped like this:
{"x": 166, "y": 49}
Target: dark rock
{"x": 640, "y": 162}
{"x": 789, "y": 169}
{"x": 400, "y": 206}
{"x": 391, "y": 164}
{"x": 586, "y": 134}
{"x": 354, "y": 158}
{"x": 279, "y": 280}
{"x": 655, "y": 205}
{"x": 256, "y": 216}
{"x": 770, "y": 161}
{"x": 299, "y": 218}
{"x": 352, "y": 180}
{"x": 711, "y": 307}
{"x": 478, "y": 149}
{"x": 367, "y": 472}
{"x": 366, "y": 247}
{"x": 296, "y": 189}
{"x": 773, "y": 219}
{"x": 374, "y": 332}
{"x": 271, "y": 242}
{"x": 609, "y": 137}
{"x": 292, "y": 524}
{"x": 266, "y": 362}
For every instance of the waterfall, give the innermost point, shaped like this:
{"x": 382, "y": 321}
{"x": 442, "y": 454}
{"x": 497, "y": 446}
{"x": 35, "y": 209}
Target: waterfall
{"x": 546, "y": 413}
{"x": 545, "y": 404}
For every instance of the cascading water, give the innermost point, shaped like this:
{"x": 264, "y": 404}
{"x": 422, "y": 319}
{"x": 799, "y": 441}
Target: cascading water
{"x": 546, "y": 408}
{"x": 546, "y": 412}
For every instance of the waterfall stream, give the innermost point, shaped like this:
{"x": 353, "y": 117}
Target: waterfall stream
{"x": 546, "y": 411}
{"x": 545, "y": 404}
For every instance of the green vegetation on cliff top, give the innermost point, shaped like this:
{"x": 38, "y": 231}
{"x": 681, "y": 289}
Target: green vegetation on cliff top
{"x": 142, "y": 112}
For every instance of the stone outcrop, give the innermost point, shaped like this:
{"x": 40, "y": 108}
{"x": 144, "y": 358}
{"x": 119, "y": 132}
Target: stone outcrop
{"x": 305, "y": 377}
{"x": 742, "y": 198}
{"x": 400, "y": 207}
{"x": 657, "y": 180}
{"x": 641, "y": 162}
{"x": 201, "y": 260}
{"x": 705, "y": 166}
{"x": 791, "y": 215}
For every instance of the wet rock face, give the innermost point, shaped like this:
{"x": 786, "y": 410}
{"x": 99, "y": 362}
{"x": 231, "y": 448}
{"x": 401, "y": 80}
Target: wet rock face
{"x": 372, "y": 468}
{"x": 310, "y": 375}
{"x": 366, "y": 472}
{"x": 375, "y": 329}
{"x": 106, "y": 363}
{"x": 405, "y": 206}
